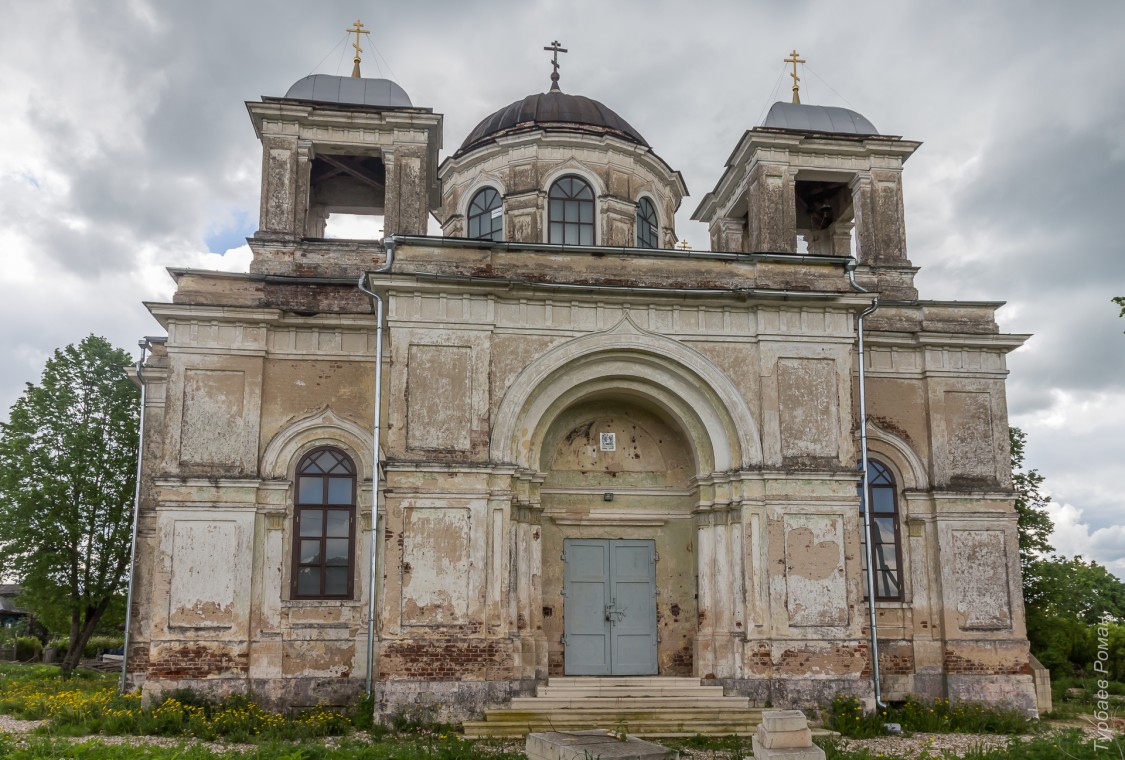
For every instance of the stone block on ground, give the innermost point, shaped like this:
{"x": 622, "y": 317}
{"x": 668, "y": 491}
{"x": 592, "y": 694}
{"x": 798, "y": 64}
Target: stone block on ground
{"x": 599, "y": 743}
{"x": 793, "y": 753}
{"x": 784, "y": 720}
{"x": 784, "y": 739}
{"x": 785, "y": 735}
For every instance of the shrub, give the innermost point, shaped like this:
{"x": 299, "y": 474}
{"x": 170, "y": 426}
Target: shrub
{"x": 363, "y": 714}
{"x": 848, "y": 718}
{"x": 100, "y": 644}
{"x": 419, "y": 714}
{"x": 937, "y": 716}
{"x": 28, "y": 648}
{"x": 61, "y": 645}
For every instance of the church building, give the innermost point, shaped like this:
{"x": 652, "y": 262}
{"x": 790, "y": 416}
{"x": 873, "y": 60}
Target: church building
{"x": 551, "y": 445}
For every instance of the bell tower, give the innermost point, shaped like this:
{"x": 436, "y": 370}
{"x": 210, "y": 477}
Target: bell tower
{"x": 346, "y": 145}
{"x": 820, "y": 175}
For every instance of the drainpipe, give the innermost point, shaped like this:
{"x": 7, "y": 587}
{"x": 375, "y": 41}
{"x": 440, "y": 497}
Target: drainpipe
{"x": 144, "y": 344}
{"x": 850, "y": 268}
{"x": 377, "y": 301}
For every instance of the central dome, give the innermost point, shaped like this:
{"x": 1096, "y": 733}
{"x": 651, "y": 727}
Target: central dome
{"x": 552, "y": 108}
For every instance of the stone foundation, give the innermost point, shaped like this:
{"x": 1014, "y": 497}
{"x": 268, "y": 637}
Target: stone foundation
{"x": 281, "y": 694}
{"x": 794, "y": 692}
{"x": 1012, "y": 690}
{"x": 454, "y": 701}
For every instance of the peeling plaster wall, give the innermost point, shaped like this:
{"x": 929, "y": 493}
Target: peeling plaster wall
{"x": 735, "y": 415}
{"x": 648, "y": 475}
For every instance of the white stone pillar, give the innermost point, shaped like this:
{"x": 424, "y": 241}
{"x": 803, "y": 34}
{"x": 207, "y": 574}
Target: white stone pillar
{"x": 738, "y": 585}
{"x": 704, "y": 656}
{"x": 723, "y": 601}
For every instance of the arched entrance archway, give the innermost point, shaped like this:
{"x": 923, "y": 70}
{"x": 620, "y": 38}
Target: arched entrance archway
{"x": 624, "y": 377}
{"x": 618, "y": 493}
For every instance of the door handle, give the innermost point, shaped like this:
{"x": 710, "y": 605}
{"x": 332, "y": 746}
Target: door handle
{"x": 614, "y": 615}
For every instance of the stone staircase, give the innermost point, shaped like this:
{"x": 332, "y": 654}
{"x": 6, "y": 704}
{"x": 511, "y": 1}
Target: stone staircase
{"x": 653, "y": 706}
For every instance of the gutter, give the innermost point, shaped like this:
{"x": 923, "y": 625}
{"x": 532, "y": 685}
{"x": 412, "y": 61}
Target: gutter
{"x": 144, "y": 344}
{"x": 865, "y": 498}
{"x": 377, "y": 302}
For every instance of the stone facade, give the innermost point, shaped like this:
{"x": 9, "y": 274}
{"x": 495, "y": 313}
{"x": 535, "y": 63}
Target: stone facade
{"x": 726, "y": 380}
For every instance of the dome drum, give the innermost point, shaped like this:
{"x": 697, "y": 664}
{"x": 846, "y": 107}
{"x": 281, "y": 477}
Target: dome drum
{"x": 532, "y": 148}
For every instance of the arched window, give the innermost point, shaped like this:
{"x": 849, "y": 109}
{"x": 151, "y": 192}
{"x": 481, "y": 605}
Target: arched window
{"x": 486, "y": 216}
{"x": 648, "y": 227}
{"x": 324, "y": 526}
{"x": 886, "y": 548}
{"x": 570, "y": 212}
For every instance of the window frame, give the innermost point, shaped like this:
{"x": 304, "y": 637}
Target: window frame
{"x": 592, "y": 202}
{"x": 882, "y": 471}
{"x": 655, "y": 224}
{"x": 324, "y": 506}
{"x": 496, "y": 223}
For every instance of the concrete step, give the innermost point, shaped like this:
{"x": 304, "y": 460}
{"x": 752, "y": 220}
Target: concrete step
{"x": 655, "y": 706}
{"x": 652, "y": 727}
{"x": 579, "y": 692}
{"x": 625, "y": 713}
{"x": 628, "y": 702}
{"x": 622, "y": 680}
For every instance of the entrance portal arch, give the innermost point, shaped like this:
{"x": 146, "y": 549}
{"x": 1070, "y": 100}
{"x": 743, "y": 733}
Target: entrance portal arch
{"x": 674, "y": 425}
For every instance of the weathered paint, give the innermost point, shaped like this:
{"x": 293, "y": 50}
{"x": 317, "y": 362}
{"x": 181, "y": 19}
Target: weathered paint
{"x": 734, "y": 419}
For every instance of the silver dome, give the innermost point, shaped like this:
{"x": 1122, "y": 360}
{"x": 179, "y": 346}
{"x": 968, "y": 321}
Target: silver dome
{"x": 328, "y": 88}
{"x": 807, "y": 118}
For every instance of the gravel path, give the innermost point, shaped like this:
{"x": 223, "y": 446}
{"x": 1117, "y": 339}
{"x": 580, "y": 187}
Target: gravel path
{"x": 13, "y": 726}
{"x": 912, "y": 746}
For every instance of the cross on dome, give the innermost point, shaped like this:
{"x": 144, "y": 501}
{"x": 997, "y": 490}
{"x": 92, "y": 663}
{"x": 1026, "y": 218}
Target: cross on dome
{"x": 554, "y": 46}
{"x": 359, "y": 29}
{"x": 793, "y": 59}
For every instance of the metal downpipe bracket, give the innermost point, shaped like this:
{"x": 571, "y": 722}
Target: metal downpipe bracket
{"x": 875, "y": 677}
{"x": 377, "y": 301}
{"x": 144, "y": 344}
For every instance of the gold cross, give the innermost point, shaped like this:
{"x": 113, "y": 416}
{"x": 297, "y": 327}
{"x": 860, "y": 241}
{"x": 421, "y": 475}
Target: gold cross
{"x": 684, "y": 245}
{"x": 358, "y": 29}
{"x": 554, "y": 46}
{"x": 793, "y": 59}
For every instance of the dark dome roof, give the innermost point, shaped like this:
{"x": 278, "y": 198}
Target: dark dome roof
{"x": 328, "y": 88}
{"x": 806, "y": 118}
{"x": 552, "y": 109}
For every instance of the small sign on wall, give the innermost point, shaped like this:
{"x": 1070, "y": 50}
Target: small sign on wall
{"x": 608, "y": 441}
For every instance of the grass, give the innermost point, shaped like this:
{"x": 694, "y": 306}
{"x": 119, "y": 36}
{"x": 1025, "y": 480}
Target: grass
{"x": 733, "y": 747}
{"x": 937, "y": 716}
{"x": 41, "y": 748}
{"x": 87, "y": 704}
{"x": 1067, "y": 744}
{"x": 1069, "y": 705}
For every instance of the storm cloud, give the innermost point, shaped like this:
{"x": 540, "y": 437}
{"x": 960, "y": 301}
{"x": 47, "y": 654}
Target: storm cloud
{"x": 125, "y": 149}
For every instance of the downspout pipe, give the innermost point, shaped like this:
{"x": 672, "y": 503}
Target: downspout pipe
{"x": 850, "y": 267}
{"x": 377, "y": 302}
{"x": 144, "y": 344}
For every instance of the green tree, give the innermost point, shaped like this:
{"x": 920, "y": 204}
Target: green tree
{"x": 1033, "y": 523}
{"x": 68, "y": 458}
{"x": 1076, "y": 589}
{"x": 1120, "y": 301}
{"x": 1070, "y": 597}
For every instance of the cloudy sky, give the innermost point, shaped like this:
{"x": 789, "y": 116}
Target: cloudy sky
{"x": 125, "y": 148}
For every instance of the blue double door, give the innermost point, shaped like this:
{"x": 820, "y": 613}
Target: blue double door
{"x": 610, "y": 609}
